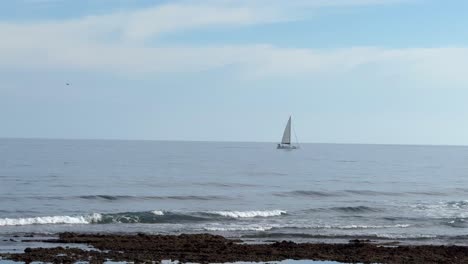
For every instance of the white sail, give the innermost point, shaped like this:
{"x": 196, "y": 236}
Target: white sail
{"x": 287, "y": 133}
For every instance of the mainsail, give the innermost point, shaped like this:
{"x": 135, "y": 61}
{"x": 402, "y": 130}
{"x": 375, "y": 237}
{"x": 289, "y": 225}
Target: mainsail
{"x": 287, "y": 133}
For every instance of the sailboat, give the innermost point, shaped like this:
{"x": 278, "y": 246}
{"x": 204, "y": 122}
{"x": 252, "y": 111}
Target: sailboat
{"x": 286, "y": 140}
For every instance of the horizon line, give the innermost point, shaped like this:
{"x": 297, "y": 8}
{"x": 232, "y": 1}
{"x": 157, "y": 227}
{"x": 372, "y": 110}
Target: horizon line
{"x": 230, "y": 141}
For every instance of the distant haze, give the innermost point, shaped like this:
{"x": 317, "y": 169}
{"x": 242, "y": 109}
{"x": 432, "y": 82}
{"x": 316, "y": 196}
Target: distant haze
{"x": 350, "y": 71}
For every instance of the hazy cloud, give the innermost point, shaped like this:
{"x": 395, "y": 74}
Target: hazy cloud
{"x": 118, "y": 43}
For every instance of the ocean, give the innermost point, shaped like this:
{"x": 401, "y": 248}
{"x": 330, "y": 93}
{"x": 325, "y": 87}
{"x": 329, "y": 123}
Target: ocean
{"x": 252, "y": 191}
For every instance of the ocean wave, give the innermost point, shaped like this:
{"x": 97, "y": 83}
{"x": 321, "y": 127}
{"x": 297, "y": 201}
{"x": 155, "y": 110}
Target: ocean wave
{"x": 44, "y": 220}
{"x": 352, "y": 210}
{"x": 373, "y": 193}
{"x": 371, "y": 226}
{"x": 145, "y": 217}
{"x": 248, "y": 214}
{"x": 231, "y": 228}
{"x": 157, "y": 212}
{"x": 146, "y": 197}
{"x": 225, "y": 185}
{"x": 429, "y": 193}
{"x": 104, "y": 197}
{"x": 406, "y": 236}
{"x": 383, "y": 236}
{"x": 351, "y": 226}
{"x": 279, "y": 227}
{"x": 153, "y": 217}
{"x": 306, "y": 193}
{"x": 355, "y": 209}
{"x": 117, "y": 198}
{"x": 313, "y": 193}
{"x": 443, "y": 210}
{"x": 457, "y": 222}
{"x": 346, "y": 161}
{"x": 457, "y": 204}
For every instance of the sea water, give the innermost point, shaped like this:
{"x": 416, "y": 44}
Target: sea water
{"x": 252, "y": 191}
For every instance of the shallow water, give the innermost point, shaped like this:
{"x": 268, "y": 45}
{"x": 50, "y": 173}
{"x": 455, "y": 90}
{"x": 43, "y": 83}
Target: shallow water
{"x": 322, "y": 192}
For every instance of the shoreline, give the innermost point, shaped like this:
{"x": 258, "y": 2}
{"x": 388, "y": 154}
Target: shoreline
{"x": 207, "y": 248}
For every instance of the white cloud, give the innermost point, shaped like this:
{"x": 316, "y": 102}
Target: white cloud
{"x": 117, "y": 43}
{"x": 171, "y": 18}
{"x": 141, "y": 24}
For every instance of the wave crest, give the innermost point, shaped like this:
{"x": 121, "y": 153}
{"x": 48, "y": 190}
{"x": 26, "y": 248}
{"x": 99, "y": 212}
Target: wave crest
{"x": 157, "y": 212}
{"x": 44, "y": 220}
{"x": 146, "y": 217}
{"x": 356, "y": 209}
{"x": 258, "y": 228}
{"x": 249, "y": 214}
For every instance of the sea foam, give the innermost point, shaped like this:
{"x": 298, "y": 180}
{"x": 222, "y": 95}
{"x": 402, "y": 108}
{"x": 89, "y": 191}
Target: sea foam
{"x": 258, "y": 228}
{"x": 249, "y": 214}
{"x": 157, "y": 212}
{"x": 44, "y": 220}
{"x": 370, "y": 226}
{"x": 450, "y": 209}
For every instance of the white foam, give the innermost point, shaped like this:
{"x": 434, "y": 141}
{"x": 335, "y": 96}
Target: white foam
{"x": 48, "y": 220}
{"x": 258, "y": 228}
{"x": 371, "y": 226}
{"x": 451, "y": 209}
{"x": 157, "y": 212}
{"x": 271, "y": 226}
{"x": 249, "y": 214}
{"x": 337, "y": 226}
{"x": 406, "y": 236}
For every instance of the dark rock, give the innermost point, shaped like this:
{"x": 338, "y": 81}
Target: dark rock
{"x": 205, "y": 248}
{"x": 359, "y": 241}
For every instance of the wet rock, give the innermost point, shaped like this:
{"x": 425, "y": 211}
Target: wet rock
{"x": 205, "y": 248}
{"x": 359, "y": 241}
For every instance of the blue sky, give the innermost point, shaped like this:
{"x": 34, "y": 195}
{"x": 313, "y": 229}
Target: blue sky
{"x": 349, "y": 71}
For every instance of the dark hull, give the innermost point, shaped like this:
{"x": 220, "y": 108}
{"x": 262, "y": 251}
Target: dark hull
{"x": 286, "y": 147}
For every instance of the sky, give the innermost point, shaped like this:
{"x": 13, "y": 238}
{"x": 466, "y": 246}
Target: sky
{"x": 348, "y": 71}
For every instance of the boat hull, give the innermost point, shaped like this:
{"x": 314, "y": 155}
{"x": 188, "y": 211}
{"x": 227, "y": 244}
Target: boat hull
{"x": 288, "y": 147}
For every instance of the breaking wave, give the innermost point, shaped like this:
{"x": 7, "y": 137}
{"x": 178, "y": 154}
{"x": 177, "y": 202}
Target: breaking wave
{"x": 147, "y": 217}
{"x": 249, "y": 214}
{"x": 267, "y": 227}
{"x": 276, "y": 235}
{"x": 258, "y": 228}
{"x": 370, "y": 226}
{"x": 350, "y": 226}
{"x": 443, "y": 210}
{"x": 45, "y": 220}
{"x": 157, "y": 212}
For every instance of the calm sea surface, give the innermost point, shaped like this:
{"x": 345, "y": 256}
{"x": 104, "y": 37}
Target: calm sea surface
{"x": 322, "y": 192}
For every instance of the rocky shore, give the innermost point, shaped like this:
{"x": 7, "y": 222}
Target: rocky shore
{"x": 205, "y": 248}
